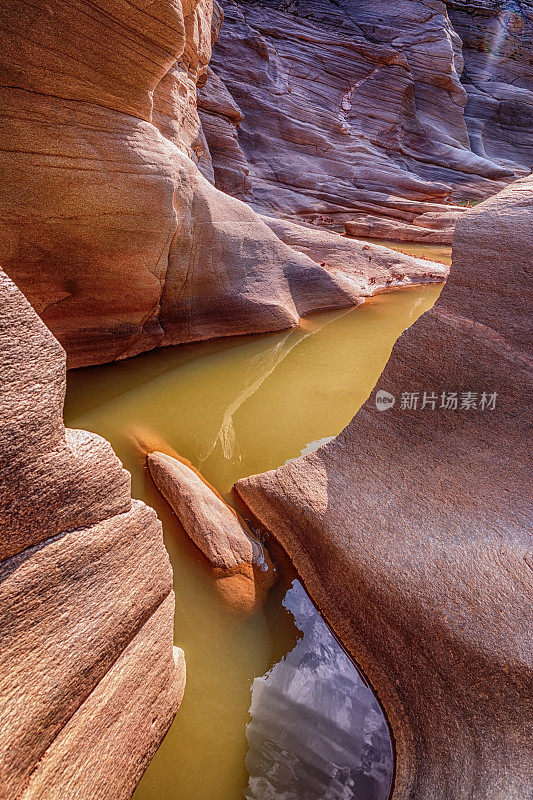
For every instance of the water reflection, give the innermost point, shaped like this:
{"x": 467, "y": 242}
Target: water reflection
{"x": 317, "y": 731}
{"x": 240, "y": 406}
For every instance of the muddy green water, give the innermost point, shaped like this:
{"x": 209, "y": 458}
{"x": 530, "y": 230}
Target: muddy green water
{"x": 235, "y": 407}
{"x": 435, "y": 252}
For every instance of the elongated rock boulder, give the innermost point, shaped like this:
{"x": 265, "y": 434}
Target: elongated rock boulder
{"x": 242, "y": 567}
{"x": 410, "y": 529}
{"x": 372, "y": 268}
{"x": 89, "y": 681}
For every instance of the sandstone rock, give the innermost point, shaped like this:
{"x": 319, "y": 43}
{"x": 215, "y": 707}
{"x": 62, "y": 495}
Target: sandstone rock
{"x": 242, "y": 566}
{"x": 410, "y": 529}
{"x": 493, "y": 258}
{"x": 175, "y": 108}
{"x": 348, "y": 107}
{"x": 372, "y": 268}
{"x": 89, "y": 684}
{"x": 496, "y": 43}
{"x": 221, "y": 117}
{"x": 431, "y": 227}
{"x": 108, "y": 227}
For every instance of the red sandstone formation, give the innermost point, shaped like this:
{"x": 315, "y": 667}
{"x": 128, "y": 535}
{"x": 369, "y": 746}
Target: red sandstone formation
{"x": 371, "y": 267}
{"x": 344, "y": 109}
{"x": 242, "y": 568}
{"x": 410, "y": 529}
{"x": 433, "y": 226}
{"x": 108, "y": 226}
{"x": 89, "y": 682}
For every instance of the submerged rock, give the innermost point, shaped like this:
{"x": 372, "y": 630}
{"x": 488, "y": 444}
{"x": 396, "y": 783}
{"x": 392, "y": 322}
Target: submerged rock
{"x": 242, "y": 567}
{"x": 410, "y": 529}
{"x": 90, "y": 682}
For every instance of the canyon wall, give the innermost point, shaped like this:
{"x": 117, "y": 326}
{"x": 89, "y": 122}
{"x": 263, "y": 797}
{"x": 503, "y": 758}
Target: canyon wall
{"x": 411, "y": 528}
{"x": 90, "y": 681}
{"x": 341, "y": 109}
{"x": 107, "y": 224}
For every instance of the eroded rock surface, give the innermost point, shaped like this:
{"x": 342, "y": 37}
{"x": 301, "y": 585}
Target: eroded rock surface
{"x": 107, "y": 224}
{"x": 410, "y": 528}
{"x": 344, "y": 109}
{"x": 89, "y": 681}
{"x": 242, "y": 566}
{"x": 371, "y": 267}
{"x": 496, "y": 47}
{"x": 432, "y": 227}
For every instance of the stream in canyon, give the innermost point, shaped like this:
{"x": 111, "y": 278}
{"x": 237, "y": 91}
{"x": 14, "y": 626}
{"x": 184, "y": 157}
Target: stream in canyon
{"x": 435, "y": 252}
{"x": 273, "y": 709}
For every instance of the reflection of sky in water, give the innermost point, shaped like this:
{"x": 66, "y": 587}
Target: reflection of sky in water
{"x": 237, "y": 407}
{"x": 317, "y": 732}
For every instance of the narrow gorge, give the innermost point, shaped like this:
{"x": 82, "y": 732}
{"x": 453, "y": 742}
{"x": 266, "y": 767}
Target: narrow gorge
{"x": 217, "y": 223}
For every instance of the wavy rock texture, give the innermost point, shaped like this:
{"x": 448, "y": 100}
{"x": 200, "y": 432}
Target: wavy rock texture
{"x": 108, "y": 226}
{"x": 371, "y": 267}
{"x": 497, "y": 77}
{"x": 344, "y": 109}
{"x": 410, "y": 529}
{"x": 89, "y": 681}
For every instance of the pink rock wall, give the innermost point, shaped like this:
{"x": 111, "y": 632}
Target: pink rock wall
{"x": 349, "y": 107}
{"x": 90, "y": 682}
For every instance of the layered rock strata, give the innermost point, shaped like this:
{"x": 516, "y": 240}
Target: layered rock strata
{"x": 433, "y": 227}
{"x": 497, "y": 76}
{"x": 410, "y": 528}
{"x": 90, "y": 682}
{"x": 107, "y": 225}
{"x": 343, "y": 108}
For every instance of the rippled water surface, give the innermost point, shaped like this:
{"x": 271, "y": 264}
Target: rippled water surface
{"x": 235, "y": 407}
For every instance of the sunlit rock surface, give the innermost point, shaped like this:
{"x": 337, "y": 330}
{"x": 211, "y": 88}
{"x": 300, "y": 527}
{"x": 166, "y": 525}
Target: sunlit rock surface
{"x": 107, "y": 224}
{"x": 317, "y": 731}
{"x": 411, "y": 528}
{"x": 346, "y": 107}
{"x": 89, "y": 682}
{"x": 241, "y": 565}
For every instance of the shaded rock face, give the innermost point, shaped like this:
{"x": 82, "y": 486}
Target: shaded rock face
{"x": 497, "y": 77}
{"x": 107, "y": 224}
{"x": 410, "y": 529}
{"x": 347, "y": 107}
{"x": 89, "y": 681}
